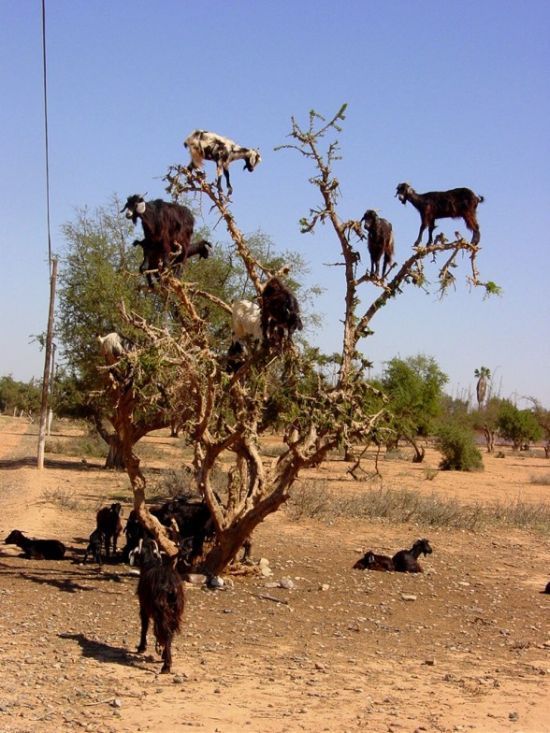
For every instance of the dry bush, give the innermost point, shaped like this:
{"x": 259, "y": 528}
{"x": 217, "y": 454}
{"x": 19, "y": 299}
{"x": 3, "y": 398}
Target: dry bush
{"x": 314, "y": 500}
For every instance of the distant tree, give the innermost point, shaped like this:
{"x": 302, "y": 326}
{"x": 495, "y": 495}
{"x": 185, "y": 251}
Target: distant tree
{"x": 486, "y": 420}
{"x": 518, "y": 426}
{"x": 542, "y": 416}
{"x": 483, "y": 375}
{"x": 19, "y": 396}
{"x": 459, "y": 452}
{"x": 414, "y": 390}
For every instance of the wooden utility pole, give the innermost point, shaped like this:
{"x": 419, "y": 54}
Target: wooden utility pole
{"x": 47, "y": 362}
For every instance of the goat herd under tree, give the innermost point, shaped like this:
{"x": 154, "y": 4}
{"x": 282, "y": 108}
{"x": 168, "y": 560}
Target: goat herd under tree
{"x": 220, "y": 388}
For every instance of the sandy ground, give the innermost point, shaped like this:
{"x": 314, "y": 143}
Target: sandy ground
{"x": 465, "y": 646}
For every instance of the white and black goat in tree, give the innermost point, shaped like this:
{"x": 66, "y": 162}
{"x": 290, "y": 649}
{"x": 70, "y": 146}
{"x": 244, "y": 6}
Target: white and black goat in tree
{"x": 203, "y": 145}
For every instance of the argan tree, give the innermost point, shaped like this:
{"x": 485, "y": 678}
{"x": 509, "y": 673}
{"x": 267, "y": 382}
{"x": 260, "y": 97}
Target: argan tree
{"x": 223, "y": 413}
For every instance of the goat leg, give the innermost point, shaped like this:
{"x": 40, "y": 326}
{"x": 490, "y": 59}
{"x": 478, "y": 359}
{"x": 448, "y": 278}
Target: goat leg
{"x": 167, "y": 657}
{"x": 144, "y": 629}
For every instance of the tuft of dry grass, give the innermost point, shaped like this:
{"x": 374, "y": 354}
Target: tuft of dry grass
{"x": 62, "y": 498}
{"x": 314, "y": 500}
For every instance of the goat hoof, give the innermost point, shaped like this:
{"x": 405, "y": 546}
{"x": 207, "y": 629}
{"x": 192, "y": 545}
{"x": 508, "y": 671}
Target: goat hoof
{"x": 141, "y": 649}
{"x": 166, "y": 670}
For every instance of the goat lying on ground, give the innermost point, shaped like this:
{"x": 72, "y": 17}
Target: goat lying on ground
{"x": 109, "y": 526}
{"x": 458, "y": 203}
{"x": 280, "y": 313}
{"x": 94, "y": 546}
{"x": 161, "y": 598}
{"x": 37, "y": 549}
{"x": 406, "y": 561}
{"x": 371, "y": 561}
{"x": 380, "y": 242}
{"x": 203, "y": 145}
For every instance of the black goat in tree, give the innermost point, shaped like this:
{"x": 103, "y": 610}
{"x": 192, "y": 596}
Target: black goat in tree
{"x": 458, "y": 203}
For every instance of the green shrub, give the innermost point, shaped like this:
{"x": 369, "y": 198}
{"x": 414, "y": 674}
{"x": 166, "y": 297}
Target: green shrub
{"x": 456, "y": 443}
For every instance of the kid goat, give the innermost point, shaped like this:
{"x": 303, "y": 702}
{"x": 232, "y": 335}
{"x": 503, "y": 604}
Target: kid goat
{"x": 203, "y": 145}
{"x": 458, "y": 203}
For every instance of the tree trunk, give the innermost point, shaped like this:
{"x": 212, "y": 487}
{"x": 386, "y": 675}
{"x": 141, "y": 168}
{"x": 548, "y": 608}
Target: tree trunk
{"x": 115, "y": 456}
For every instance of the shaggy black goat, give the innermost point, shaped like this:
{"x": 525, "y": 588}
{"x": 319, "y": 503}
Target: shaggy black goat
{"x": 110, "y": 525}
{"x": 94, "y": 546}
{"x": 168, "y": 229}
{"x": 380, "y": 242}
{"x": 371, "y": 561}
{"x": 280, "y": 313}
{"x": 37, "y": 549}
{"x": 203, "y": 145}
{"x": 406, "y": 561}
{"x": 458, "y": 203}
{"x": 161, "y": 598}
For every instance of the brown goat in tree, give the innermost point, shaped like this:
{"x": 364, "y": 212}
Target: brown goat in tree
{"x": 280, "y": 313}
{"x": 458, "y": 203}
{"x": 168, "y": 229}
{"x": 380, "y": 242}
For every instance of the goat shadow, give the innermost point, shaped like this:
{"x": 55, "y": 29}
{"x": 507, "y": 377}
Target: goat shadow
{"x": 107, "y": 653}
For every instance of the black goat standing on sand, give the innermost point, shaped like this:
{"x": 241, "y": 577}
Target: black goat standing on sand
{"x": 161, "y": 598}
{"x": 37, "y": 549}
{"x": 458, "y": 203}
{"x": 380, "y": 242}
{"x": 406, "y": 561}
{"x": 168, "y": 229}
{"x": 280, "y": 313}
{"x": 109, "y": 525}
{"x": 203, "y": 145}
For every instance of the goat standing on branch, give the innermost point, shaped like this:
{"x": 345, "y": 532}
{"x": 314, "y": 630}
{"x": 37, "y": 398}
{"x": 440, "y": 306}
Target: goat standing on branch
{"x": 168, "y": 229}
{"x": 203, "y": 145}
{"x": 280, "y": 313}
{"x": 380, "y": 242}
{"x": 458, "y": 203}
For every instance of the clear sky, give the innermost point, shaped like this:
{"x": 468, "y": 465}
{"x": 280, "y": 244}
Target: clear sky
{"x": 440, "y": 95}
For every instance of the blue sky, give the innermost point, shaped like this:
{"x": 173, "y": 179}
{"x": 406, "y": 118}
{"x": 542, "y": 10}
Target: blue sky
{"x": 439, "y": 94}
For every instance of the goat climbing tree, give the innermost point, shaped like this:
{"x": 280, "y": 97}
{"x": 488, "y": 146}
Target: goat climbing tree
{"x": 223, "y": 414}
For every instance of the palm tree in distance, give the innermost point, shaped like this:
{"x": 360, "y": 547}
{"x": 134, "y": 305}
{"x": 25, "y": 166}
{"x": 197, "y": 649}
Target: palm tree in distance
{"x": 483, "y": 375}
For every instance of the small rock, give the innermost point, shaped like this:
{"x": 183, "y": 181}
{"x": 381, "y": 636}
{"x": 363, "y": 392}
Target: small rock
{"x": 408, "y": 597}
{"x": 196, "y": 578}
{"x": 513, "y": 716}
{"x": 430, "y": 661}
{"x": 324, "y": 586}
{"x": 116, "y": 703}
{"x": 286, "y": 583}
